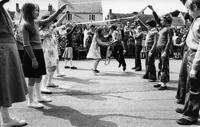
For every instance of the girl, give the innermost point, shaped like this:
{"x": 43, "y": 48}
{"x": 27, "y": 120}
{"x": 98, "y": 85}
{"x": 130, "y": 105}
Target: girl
{"x": 12, "y": 82}
{"x": 50, "y": 53}
{"x": 94, "y": 51}
{"x": 68, "y": 53}
{"x": 33, "y": 63}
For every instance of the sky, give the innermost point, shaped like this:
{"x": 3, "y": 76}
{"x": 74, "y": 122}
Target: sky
{"x": 117, "y": 6}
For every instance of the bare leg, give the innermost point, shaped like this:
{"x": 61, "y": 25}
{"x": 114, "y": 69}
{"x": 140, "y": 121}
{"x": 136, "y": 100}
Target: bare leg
{"x": 38, "y": 92}
{"x": 5, "y": 115}
{"x": 96, "y": 63}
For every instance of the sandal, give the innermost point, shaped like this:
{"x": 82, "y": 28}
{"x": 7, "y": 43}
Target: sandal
{"x": 14, "y": 122}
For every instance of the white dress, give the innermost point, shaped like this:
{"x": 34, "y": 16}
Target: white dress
{"x": 94, "y": 51}
{"x": 50, "y": 49}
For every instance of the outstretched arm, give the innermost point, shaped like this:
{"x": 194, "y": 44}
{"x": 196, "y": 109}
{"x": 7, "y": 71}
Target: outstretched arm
{"x": 142, "y": 24}
{"x": 158, "y": 20}
{"x": 60, "y": 20}
{"x": 52, "y": 17}
{"x": 3, "y": 2}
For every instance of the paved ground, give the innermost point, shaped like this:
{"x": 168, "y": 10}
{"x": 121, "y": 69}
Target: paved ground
{"x": 112, "y": 98}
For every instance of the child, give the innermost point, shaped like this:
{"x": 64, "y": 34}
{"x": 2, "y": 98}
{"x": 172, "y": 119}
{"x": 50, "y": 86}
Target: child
{"x": 163, "y": 47}
{"x": 151, "y": 40}
{"x": 94, "y": 51}
{"x": 50, "y": 53}
{"x": 117, "y": 46}
{"x": 12, "y": 82}
{"x": 68, "y": 53}
{"x": 192, "y": 102}
{"x": 34, "y": 63}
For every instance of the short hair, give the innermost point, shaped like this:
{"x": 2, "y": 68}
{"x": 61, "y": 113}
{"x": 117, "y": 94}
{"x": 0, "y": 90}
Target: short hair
{"x": 168, "y": 18}
{"x": 114, "y": 27}
{"x": 99, "y": 30}
{"x": 194, "y": 2}
{"x": 151, "y": 23}
{"x": 27, "y": 10}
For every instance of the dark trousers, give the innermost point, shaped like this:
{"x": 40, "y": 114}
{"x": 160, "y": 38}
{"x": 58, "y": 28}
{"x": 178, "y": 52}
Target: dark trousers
{"x": 163, "y": 66}
{"x": 117, "y": 53}
{"x": 150, "y": 66}
{"x": 138, "y": 49}
{"x": 182, "y": 88}
{"x": 192, "y": 101}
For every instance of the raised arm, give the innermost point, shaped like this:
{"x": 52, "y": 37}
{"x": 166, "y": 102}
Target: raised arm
{"x": 60, "y": 20}
{"x": 73, "y": 29}
{"x": 3, "y": 2}
{"x": 158, "y": 20}
{"x": 142, "y": 24}
{"x": 52, "y": 17}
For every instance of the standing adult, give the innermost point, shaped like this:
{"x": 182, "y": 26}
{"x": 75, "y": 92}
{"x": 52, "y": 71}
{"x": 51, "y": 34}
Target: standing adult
{"x": 12, "y": 82}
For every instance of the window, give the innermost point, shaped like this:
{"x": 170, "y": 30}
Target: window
{"x": 92, "y": 17}
{"x": 69, "y": 17}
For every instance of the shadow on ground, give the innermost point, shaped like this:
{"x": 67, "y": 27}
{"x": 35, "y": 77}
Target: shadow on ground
{"x": 79, "y": 94}
{"x": 77, "y": 80}
{"x": 77, "y": 118}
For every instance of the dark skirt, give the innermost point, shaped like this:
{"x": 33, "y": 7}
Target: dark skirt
{"x": 21, "y": 54}
{"x": 12, "y": 82}
{"x": 29, "y": 71}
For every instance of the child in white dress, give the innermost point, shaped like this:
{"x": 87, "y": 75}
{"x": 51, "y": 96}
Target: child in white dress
{"x": 94, "y": 51}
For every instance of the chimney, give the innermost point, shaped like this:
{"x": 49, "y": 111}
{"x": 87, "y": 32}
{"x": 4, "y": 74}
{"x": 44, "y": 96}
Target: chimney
{"x": 110, "y": 11}
{"x": 50, "y": 8}
{"x": 17, "y": 7}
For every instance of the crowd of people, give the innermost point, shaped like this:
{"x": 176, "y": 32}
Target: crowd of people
{"x": 32, "y": 49}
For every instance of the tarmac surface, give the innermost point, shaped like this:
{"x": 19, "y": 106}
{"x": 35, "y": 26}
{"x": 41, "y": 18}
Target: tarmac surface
{"x": 112, "y": 98}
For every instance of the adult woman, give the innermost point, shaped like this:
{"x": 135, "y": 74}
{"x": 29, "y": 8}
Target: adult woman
{"x": 12, "y": 85}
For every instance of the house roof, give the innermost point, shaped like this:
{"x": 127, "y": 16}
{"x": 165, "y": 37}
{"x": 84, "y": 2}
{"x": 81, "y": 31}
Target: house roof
{"x": 86, "y": 6}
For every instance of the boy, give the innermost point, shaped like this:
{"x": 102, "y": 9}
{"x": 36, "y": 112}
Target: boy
{"x": 192, "y": 102}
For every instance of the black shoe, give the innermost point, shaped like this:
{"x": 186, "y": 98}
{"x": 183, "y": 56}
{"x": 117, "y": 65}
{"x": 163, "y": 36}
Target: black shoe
{"x": 180, "y": 101}
{"x": 46, "y": 92}
{"x": 157, "y": 85}
{"x": 162, "y": 88}
{"x": 133, "y": 68}
{"x": 138, "y": 69}
{"x": 184, "y": 121}
{"x": 96, "y": 71}
{"x": 179, "y": 110}
{"x": 67, "y": 67}
{"x": 124, "y": 68}
{"x": 145, "y": 77}
{"x": 73, "y": 67}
